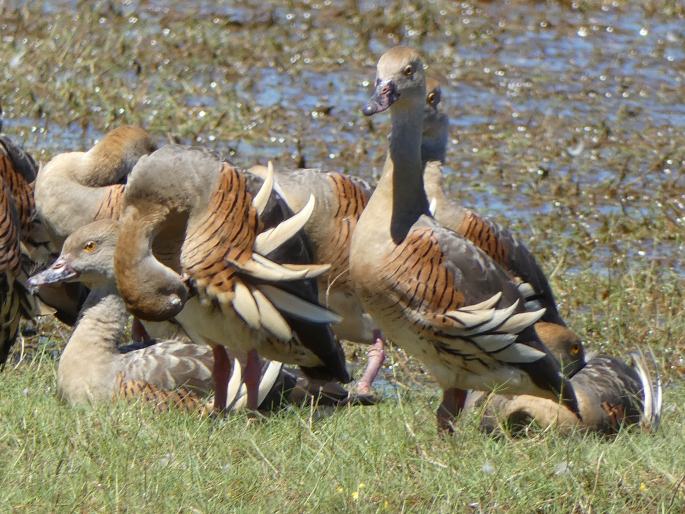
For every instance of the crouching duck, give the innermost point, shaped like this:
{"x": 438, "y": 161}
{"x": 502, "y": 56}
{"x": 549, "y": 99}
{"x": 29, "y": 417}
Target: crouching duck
{"x": 95, "y": 367}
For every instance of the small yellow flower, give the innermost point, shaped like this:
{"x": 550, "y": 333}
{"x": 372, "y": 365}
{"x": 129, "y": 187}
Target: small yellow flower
{"x": 355, "y": 495}
{"x": 362, "y": 485}
{"x": 643, "y": 487}
{"x": 385, "y": 504}
{"x": 339, "y": 489}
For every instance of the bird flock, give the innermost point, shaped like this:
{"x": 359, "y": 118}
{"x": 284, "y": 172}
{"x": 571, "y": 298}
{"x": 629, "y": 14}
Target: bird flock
{"x": 230, "y": 274}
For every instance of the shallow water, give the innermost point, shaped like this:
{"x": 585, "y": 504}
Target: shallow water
{"x": 564, "y": 119}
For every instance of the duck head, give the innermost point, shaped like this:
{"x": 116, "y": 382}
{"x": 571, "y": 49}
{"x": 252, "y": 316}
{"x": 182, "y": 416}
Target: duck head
{"x": 399, "y": 78}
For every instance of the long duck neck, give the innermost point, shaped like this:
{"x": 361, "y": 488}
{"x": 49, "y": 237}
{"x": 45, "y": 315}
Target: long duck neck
{"x": 101, "y": 326}
{"x": 402, "y": 178}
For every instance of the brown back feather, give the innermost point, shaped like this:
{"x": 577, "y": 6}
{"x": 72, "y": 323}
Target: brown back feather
{"x": 226, "y": 231}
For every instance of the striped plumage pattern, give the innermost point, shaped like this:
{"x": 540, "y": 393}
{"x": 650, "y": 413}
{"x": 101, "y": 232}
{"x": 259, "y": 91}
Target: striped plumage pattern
{"x": 416, "y": 268}
{"x": 226, "y": 231}
{"x": 17, "y": 212}
{"x": 352, "y": 199}
{"x": 112, "y": 203}
{"x": 206, "y": 223}
{"x": 161, "y": 400}
{"x": 484, "y": 234}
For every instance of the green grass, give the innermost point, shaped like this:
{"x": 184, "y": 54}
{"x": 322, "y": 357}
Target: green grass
{"x": 606, "y": 224}
{"x": 386, "y": 458}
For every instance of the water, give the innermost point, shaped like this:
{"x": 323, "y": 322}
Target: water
{"x": 563, "y": 119}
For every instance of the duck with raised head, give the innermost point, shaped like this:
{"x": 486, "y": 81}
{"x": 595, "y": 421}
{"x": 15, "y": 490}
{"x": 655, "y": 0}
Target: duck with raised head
{"x": 204, "y": 242}
{"x": 340, "y": 200}
{"x": 432, "y": 291}
{"x": 496, "y": 241}
{"x": 95, "y": 365}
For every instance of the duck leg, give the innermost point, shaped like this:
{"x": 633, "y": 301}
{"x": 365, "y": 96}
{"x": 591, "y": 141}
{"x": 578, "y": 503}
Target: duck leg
{"x": 253, "y": 372}
{"x": 375, "y": 358}
{"x": 221, "y": 373}
{"x": 453, "y": 401}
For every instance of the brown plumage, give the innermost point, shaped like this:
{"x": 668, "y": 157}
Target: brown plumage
{"x": 202, "y": 219}
{"x": 95, "y": 366}
{"x": 17, "y": 172}
{"x": 430, "y": 290}
{"x": 161, "y": 399}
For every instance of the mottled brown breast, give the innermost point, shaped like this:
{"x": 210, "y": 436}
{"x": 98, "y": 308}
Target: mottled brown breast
{"x": 483, "y": 234}
{"x": 112, "y": 203}
{"x": 159, "y": 399}
{"x": 20, "y": 190}
{"x": 415, "y": 274}
{"x": 225, "y": 232}
{"x": 351, "y": 200}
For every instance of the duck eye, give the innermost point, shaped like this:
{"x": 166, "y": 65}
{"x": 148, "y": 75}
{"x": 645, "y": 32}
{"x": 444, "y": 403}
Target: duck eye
{"x": 408, "y": 70}
{"x": 431, "y": 97}
{"x": 575, "y": 350}
{"x": 90, "y": 246}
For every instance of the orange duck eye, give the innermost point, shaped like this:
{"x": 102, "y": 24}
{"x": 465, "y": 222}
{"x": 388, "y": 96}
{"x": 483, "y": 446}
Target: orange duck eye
{"x": 90, "y": 246}
{"x": 408, "y": 71}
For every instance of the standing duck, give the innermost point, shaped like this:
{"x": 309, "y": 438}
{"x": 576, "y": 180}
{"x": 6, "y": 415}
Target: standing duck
{"x": 201, "y": 241}
{"x": 430, "y": 290}
{"x": 340, "y": 200}
{"x": 94, "y": 366}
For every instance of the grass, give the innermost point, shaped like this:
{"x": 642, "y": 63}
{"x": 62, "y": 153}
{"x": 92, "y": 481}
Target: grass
{"x": 574, "y": 142}
{"x": 382, "y": 459}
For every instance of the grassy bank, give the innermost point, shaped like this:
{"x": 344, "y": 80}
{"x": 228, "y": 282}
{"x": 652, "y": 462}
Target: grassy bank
{"x": 382, "y": 459}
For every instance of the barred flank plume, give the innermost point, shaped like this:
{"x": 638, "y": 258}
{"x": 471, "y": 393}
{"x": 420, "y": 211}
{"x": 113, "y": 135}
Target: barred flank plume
{"x": 161, "y": 400}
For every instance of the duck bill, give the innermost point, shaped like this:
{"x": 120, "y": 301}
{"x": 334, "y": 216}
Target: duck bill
{"x": 60, "y": 271}
{"x": 383, "y": 97}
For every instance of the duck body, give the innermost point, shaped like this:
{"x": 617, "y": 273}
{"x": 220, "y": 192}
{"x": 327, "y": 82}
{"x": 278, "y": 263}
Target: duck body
{"x": 197, "y": 214}
{"x": 610, "y": 393}
{"x": 17, "y": 210}
{"x": 430, "y": 290}
{"x": 164, "y": 367}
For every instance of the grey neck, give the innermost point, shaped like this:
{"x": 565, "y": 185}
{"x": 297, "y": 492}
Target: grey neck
{"x": 102, "y": 322}
{"x": 404, "y": 167}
